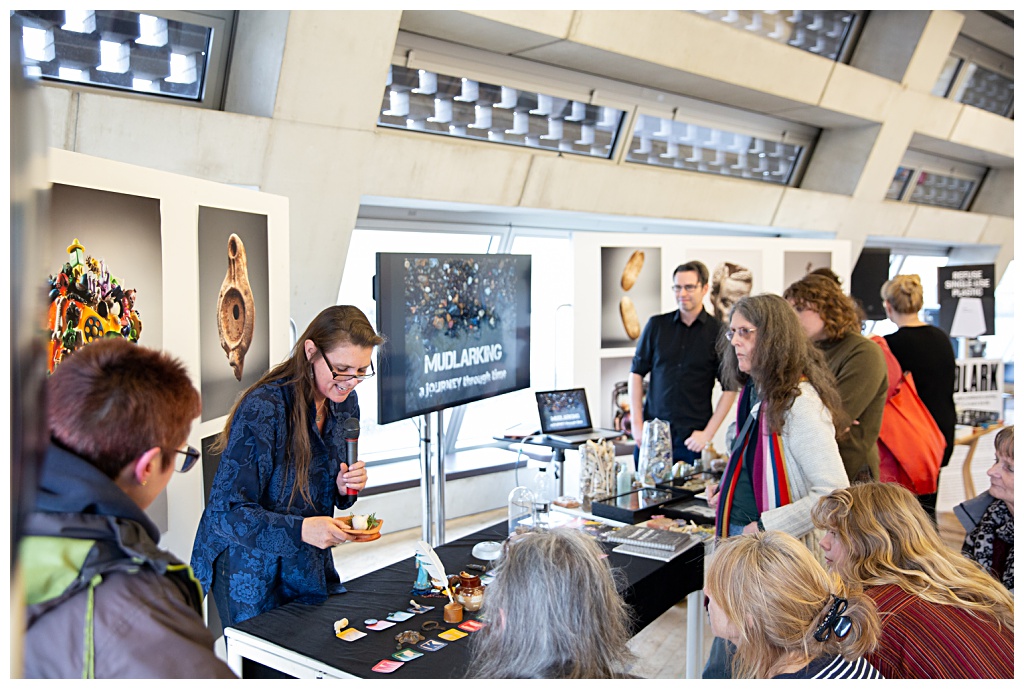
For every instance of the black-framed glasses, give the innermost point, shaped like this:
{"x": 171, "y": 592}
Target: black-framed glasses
{"x": 744, "y": 333}
{"x": 344, "y": 377}
{"x": 191, "y": 455}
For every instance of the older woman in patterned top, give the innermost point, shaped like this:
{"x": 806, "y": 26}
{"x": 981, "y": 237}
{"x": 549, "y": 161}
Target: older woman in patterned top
{"x": 988, "y": 518}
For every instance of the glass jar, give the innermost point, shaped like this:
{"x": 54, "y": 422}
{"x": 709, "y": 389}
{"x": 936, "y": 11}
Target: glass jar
{"x": 521, "y": 510}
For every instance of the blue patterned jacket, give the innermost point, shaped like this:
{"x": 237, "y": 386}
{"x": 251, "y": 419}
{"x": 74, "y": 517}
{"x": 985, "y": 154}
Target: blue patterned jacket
{"x": 248, "y": 514}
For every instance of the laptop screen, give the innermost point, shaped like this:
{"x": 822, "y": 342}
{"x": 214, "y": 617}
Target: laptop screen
{"x": 563, "y": 410}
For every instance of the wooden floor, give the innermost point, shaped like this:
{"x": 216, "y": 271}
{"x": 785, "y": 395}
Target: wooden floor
{"x": 660, "y": 647}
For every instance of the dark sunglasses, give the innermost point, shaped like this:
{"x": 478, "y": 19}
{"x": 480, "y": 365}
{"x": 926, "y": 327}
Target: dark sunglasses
{"x": 191, "y": 457}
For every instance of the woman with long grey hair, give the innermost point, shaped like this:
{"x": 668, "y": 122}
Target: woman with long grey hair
{"x": 553, "y": 612}
{"x": 785, "y": 454}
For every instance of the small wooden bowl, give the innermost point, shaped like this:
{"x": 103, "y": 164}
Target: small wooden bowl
{"x": 345, "y": 523}
{"x": 365, "y": 538}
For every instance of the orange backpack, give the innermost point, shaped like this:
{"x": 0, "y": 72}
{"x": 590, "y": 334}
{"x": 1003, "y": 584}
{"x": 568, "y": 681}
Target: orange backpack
{"x": 910, "y": 444}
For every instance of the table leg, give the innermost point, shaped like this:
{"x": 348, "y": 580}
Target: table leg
{"x": 694, "y": 633}
{"x": 234, "y": 657}
{"x": 559, "y": 456}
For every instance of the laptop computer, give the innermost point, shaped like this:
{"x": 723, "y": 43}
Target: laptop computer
{"x": 565, "y": 416}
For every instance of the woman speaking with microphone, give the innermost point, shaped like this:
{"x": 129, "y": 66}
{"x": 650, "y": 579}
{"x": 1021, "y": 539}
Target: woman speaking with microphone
{"x": 266, "y": 534}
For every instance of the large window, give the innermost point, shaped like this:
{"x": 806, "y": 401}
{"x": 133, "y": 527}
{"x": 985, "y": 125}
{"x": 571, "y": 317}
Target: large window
{"x": 930, "y": 180}
{"x": 179, "y": 55}
{"x": 822, "y": 32}
{"x": 927, "y": 267}
{"x": 477, "y": 423}
{"x": 422, "y": 100}
{"x": 686, "y": 146}
{"x": 978, "y": 76}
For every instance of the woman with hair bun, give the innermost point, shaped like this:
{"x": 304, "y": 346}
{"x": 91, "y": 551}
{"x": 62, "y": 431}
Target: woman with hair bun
{"x": 787, "y": 616}
{"x": 943, "y": 616}
{"x": 927, "y": 353}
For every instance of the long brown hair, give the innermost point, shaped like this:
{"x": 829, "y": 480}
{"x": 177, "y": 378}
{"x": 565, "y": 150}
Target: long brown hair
{"x": 782, "y": 358}
{"x": 888, "y": 538}
{"x": 332, "y": 327}
{"x": 770, "y": 586}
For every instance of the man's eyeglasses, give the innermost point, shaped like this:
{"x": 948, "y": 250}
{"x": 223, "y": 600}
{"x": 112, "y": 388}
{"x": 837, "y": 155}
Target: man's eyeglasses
{"x": 191, "y": 456}
{"x": 344, "y": 377}
{"x": 689, "y": 288}
{"x": 744, "y": 333}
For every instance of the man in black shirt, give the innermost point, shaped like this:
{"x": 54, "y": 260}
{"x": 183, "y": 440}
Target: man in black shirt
{"x": 678, "y": 350}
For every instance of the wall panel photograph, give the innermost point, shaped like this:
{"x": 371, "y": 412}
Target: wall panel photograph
{"x": 796, "y": 264}
{"x": 233, "y": 299}
{"x": 144, "y": 225}
{"x": 733, "y": 274}
{"x": 630, "y": 292}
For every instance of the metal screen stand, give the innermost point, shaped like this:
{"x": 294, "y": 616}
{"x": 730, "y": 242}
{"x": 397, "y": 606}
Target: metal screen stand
{"x": 432, "y": 477}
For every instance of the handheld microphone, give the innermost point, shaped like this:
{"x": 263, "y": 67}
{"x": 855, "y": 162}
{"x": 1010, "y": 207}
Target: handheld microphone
{"x": 351, "y": 432}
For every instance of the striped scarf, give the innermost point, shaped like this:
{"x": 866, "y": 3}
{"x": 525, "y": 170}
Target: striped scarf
{"x": 768, "y": 473}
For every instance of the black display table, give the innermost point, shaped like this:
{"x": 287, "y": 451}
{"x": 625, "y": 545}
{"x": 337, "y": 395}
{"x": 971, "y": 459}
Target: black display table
{"x": 299, "y": 639}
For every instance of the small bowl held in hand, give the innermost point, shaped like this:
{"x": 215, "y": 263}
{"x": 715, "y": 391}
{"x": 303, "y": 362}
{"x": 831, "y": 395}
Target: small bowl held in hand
{"x": 345, "y": 524}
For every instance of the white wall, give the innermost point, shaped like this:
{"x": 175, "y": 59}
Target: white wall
{"x": 180, "y": 198}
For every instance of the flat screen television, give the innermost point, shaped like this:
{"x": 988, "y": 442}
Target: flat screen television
{"x": 457, "y": 328}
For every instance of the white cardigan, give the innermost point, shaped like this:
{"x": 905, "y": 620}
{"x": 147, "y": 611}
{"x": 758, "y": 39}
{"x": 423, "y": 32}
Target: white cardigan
{"x": 813, "y": 463}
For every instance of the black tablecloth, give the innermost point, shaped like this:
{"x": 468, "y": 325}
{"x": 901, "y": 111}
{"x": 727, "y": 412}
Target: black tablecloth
{"x": 651, "y": 587}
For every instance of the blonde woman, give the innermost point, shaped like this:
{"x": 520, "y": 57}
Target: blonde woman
{"x": 787, "y": 616}
{"x": 943, "y": 617}
{"x": 927, "y": 353}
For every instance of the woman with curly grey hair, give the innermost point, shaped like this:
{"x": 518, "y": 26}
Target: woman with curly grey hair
{"x": 553, "y": 612}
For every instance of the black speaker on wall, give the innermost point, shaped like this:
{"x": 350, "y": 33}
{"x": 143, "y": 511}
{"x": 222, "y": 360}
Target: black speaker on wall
{"x": 870, "y": 273}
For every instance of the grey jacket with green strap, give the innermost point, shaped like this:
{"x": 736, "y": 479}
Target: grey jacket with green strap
{"x": 102, "y": 599}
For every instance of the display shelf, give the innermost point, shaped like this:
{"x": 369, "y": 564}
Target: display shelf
{"x": 617, "y": 352}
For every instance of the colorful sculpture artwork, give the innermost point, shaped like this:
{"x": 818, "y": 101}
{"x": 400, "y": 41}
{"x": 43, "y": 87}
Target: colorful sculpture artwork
{"x": 87, "y": 303}
{"x": 236, "y": 310}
